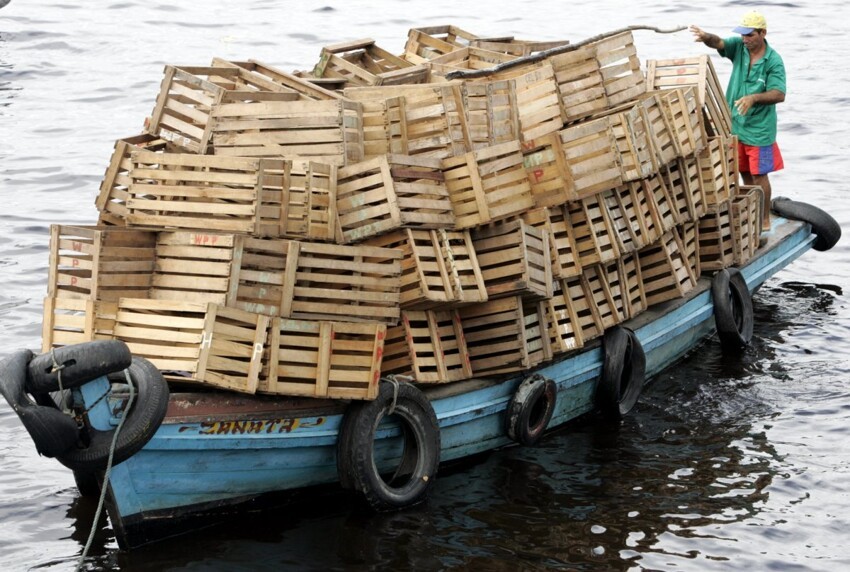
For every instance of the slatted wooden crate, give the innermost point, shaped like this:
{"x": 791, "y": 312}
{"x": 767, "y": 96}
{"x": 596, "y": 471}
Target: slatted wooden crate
{"x": 99, "y": 263}
{"x": 624, "y": 221}
{"x": 421, "y": 119}
{"x": 699, "y": 73}
{"x": 537, "y": 331}
{"x": 337, "y": 360}
{"x": 592, "y": 156}
{"x": 585, "y": 316}
{"x": 363, "y": 62}
{"x": 620, "y": 68}
{"x": 631, "y": 285}
{"x": 376, "y": 129}
{"x": 716, "y": 244}
{"x": 514, "y": 46}
{"x": 439, "y": 268}
{"x": 111, "y": 201}
{"x": 467, "y": 58}
{"x": 564, "y": 332}
{"x": 308, "y": 201}
{"x": 326, "y": 131}
{"x": 429, "y": 346}
{"x": 633, "y": 134}
{"x": 515, "y": 260}
{"x": 685, "y": 185}
{"x": 197, "y": 342}
{"x": 744, "y": 215}
{"x": 69, "y": 321}
{"x": 605, "y": 293}
{"x": 338, "y": 282}
{"x": 537, "y": 103}
{"x": 196, "y": 267}
{"x": 307, "y": 90}
{"x": 490, "y": 112}
{"x": 391, "y": 192}
{"x": 580, "y": 84}
{"x": 426, "y": 43}
{"x": 488, "y": 185}
{"x": 658, "y": 196}
{"x": 718, "y": 164}
{"x": 661, "y": 130}
{"x": 683, "y": 112}
{"x": 665, "y": 270}
{"x": 562, "y": 246}
{"x": 688, "y": 236}
{"x": 593, "y": 231}
{"x": 189, "y": 96}
{"x": 757, "y": 195}
{"x": 548, "y": 173}
{"x": 495, "y": 333}
{"x": 186, "y": 191}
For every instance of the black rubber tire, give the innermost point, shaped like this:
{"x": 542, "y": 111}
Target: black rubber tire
{"x": 420, "y": 457}
{"x": 530, "y": 409}
{"x": 52, "y": 431}
{"x": 83, "y": 362}
{"x": 826, "y": 228}
{"x": 733, "y": 309}
{"x": 145, "y": 416}
{"x": 87, "y": 484}
{"x": 623, "y": 373}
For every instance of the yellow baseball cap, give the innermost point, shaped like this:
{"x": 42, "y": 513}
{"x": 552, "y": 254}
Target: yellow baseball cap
{"x": 751, "y": 21}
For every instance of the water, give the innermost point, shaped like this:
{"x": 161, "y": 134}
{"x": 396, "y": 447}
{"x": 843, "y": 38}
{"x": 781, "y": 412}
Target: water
{"x": 721, "y": 466}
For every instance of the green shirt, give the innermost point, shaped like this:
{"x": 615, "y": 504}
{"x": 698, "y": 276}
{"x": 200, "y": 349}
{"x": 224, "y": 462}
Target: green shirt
{"x": 758, "y": 126}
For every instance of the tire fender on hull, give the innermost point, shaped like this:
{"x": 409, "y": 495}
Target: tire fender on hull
{"x": 420, "y": 456}
{"x": 530, "y": 409}
{"x": 733, "y": 308}
{"x": 79, "y": 363}
{"x": 623, "y": 372}
{"x": 826, "y": 228}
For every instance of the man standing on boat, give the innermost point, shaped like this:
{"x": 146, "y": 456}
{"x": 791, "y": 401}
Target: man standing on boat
{"x": 757, "y": 84}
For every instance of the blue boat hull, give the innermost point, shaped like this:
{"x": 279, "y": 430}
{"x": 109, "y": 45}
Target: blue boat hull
{"x": 216, "y": 451}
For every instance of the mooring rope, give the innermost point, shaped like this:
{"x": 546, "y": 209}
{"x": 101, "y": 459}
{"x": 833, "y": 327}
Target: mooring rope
{"x": 57, "y": 369}
{"x": 465, "y": 74}
{"x": 103, "y": 488}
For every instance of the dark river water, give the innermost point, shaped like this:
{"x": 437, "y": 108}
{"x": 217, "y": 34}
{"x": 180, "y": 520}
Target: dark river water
{"x": 723, "y": 465}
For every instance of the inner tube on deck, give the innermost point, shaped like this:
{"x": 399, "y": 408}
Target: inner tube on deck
{"x": 623, "y": 371}
{"x": 531, "y": 409}
{"x": 826, "y": 228}
{"x": 733, "y": 308}
{"x": 53, "y": 432}
{"x": 144, "y": 418}
{"x": 420, "y": 455}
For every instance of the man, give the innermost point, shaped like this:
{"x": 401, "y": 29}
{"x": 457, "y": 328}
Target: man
{"x": 757, "y": 84}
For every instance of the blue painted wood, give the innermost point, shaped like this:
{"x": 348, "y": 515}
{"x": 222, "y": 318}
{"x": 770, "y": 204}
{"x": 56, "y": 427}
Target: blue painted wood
{"x": 192, "y": 463}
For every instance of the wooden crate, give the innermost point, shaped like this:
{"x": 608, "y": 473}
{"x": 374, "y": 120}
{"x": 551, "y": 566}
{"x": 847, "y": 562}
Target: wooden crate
{"x": 744, "y": 213}
{"x": 688, "y": 235}
{"x": 664, "y": 270}
{"x": 638, "y": 216}
{"x": 682, "y": 109}
{"x": 633, "y": 135}
{"x": 562, "y": 322}
{"x": 660, "y": 129}
{"x": 363, "y": 62}
{"x": 757, "y": 195}
{"x": 328, "y": 131}
{"x": 605, "y": 294}
{"x": 658, "y": 196}
{"x": 592, "y": 155}
{"x": 429, "y": 346}
{"x": 376, "y": 129}
{"x": 439, "y": 268}
{"x": 111, "y": 201}
{"x": 537, "y": 103}
{"x": 631, "y": 285}
{"x": 315, "y": 281}
{"x": 624, "y": 222}
{"x": 585, "y": 316}
{"x": 716, "y": 244}
{"x": 488, "y": 185}
{"x": 306, "y": 90}
{"x": 99, "y": 263}
{"x": 69, "y": 321}
{"x": 718, "y": 164}
{"x": 514, "y": 46}
{"x": 685, "y": 186}
{"x": 430, "y": 42}
{"x": 467, "y": 58}
{"x": 550, "y": 177}
{"x": 564, "y": 252}
{"x": 490, "y": 112}
{"x": 308, "y": 201}
{"x": 196, "y": 342}
{"x": 196, "y": 267}
{"x": 699, "y": 73}
{"x": 515, "y": 260}
{"x": 186, "y": 191}
{"x": 580, "y": 84}
{"x": 537, "y": 331}
{"x": 593, "y": 231}
{"x": 495, "y": 333}
{"x": 338, "y": 360}
{"x": 391, "y": 192}
{"x": 620, "y": 68}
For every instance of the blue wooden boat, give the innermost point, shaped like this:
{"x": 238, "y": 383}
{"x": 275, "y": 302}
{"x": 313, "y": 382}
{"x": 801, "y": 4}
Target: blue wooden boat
{"x": 214, "y": 450}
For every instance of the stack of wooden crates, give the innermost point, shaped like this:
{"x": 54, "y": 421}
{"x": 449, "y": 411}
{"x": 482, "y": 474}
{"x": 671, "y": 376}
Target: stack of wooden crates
{"x": 306, "y": 233}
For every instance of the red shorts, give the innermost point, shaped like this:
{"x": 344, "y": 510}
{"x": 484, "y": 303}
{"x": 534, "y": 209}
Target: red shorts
{"x": 759, "y": 160}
